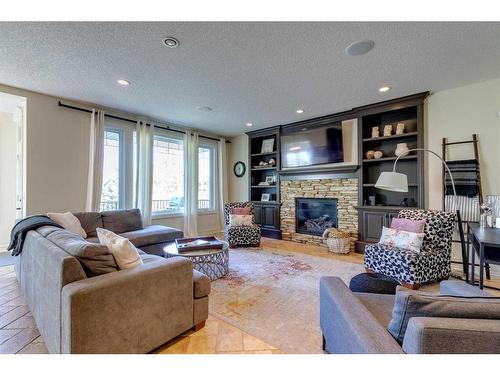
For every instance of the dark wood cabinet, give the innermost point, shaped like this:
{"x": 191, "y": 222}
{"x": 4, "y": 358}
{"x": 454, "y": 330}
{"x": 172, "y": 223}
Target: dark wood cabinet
{"x": 373, "y": 221}
{"x": 409, "y": 113}
{"x": 264, "y": 182}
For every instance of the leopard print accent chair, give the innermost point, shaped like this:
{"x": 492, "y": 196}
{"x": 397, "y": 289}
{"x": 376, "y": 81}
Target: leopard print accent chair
{"x": 241, "y": 236}
{"x": 411, "y": 268}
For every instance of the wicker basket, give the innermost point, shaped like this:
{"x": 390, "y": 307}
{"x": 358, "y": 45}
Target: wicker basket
{"x": 338, "y": 242}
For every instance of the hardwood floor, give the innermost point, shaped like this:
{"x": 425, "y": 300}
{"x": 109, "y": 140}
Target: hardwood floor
{"x": 18, "y": 332}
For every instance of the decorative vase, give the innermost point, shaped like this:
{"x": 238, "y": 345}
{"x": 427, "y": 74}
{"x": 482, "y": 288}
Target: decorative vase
{"x": 375, "y": 132}
{"x": 369, "y": 154}
{"x": 401, "y": 149}
{"x": 387, "y": 130}
{"x": 378, "y": 154}
{"x": 400, "y": 128}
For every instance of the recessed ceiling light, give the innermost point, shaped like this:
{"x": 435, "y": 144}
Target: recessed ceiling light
{"x": 384, "y": 88}
{"x": 204, "y": 108}
{"x": 123, "y": 82}
{"x": 299, "y": 111}
{"x": 359, "y": 48}
{"x": 170, "y": 42}
{"x": 248, "y": 124}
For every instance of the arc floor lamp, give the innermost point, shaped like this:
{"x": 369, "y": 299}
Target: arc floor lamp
{"x": 398, "y": 182}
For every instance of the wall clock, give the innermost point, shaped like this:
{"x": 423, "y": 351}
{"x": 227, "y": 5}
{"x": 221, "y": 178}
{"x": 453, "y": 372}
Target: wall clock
{"x": 239, "y": 169}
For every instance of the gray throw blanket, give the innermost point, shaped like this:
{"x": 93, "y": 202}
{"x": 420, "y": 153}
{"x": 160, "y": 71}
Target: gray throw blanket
{"x": 466, "y": 177}
{"x": 22, "y": 227}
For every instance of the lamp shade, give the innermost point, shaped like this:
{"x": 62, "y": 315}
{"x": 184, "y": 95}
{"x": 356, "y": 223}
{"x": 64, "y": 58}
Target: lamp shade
{"x": 392, "y": 181}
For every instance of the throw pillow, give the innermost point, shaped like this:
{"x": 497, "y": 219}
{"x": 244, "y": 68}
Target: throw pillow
{"x": 125, "y": 254}
{"x": 402, "y": 239}
{"x": 240, "y": 210}
{"x": 69, "y": 222}
{"x": 409, "y": 303}
{"x": 240, "y": 220}
{"x": 415, "y": 226}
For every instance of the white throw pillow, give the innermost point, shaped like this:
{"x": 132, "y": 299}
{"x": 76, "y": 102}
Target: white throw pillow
{"x": 124, "y": 252}
{"x": 402, "y": 239}
{"x": 240, "y": 220}
{"x": 69, "y": 222}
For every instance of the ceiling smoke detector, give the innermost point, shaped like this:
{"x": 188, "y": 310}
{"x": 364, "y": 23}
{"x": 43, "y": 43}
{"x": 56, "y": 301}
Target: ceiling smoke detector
{"x": 359, "y": 48}
{"x": 170, "y": 42}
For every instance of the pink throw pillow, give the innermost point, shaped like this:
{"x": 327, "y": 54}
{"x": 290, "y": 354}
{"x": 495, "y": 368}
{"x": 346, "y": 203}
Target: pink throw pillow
{"x": 240, "y": 210}
{"x": 408, "y": 225}
{"x": 401, "y": 239}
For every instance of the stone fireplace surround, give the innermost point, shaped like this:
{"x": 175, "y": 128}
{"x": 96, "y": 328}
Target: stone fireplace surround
{"x": 344, "y": 188}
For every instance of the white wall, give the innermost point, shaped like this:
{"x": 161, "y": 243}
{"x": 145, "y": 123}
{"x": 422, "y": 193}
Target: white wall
{"x": 8, "y": 191}
{"x": 238, "y": 151}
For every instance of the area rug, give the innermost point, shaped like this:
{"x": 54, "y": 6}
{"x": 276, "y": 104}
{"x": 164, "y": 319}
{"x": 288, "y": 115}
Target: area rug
{"x": 274, "y": 295}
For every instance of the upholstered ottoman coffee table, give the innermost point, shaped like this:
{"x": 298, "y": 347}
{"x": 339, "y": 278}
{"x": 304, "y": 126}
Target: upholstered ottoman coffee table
{"x": 373, "y": 283}
{"x": 212, "y": 262}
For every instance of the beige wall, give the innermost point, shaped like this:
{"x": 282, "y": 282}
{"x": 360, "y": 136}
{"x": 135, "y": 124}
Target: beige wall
{"x": 56, "y": 154}
{"x": 456, "y": 114}
{"x": 8, "y": 191}
{"x": 57, "y": 159}
{"x": 238, "y": 151}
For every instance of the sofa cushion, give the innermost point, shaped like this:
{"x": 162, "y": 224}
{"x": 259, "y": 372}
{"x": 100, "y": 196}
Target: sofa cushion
{"x": 152, "y": 235}
{"x": 409, "y": 304}
{"x": 89, "y": 221}
{"x": 201, "y": 284}
{"x": 122, "y": 220}
{"x": 95, "y": 259}
{"x": 380, "y": 305}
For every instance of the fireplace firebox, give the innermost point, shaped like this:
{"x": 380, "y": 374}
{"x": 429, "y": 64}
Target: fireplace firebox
{"x": 314, "y": 215}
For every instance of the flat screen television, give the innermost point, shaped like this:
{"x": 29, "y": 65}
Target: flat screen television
{"x": 314, "y": 146}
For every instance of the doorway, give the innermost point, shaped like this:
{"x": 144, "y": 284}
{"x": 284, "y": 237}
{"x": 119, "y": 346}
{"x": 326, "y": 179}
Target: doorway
{"x": 12, "y": 168}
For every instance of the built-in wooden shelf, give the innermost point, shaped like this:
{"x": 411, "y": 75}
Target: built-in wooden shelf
{"x": 264, "y": 169}
{"x": 388, "y": 137}
{"x": 264, "y": 153}
{"x": 373, "y": 185}
{"x": 389, "y": 158}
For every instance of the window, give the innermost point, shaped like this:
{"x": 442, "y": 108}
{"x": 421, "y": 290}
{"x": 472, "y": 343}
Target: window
{"x": 206, "y": 177}
{"x": 118, "y": 187}
{"x": 112, "y": 186}
{"x": 168, "y": 175}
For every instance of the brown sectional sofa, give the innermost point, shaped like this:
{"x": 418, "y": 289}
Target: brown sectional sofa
{"x": 126, "y": 311}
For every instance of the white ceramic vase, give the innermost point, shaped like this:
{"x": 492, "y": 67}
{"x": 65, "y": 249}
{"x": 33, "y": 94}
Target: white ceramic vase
{"x": 401, "y": 149}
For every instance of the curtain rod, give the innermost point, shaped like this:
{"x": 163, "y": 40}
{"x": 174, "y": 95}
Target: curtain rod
{"x": 134, "y": 122}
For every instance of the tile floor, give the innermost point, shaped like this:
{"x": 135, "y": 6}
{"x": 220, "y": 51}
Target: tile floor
{"x": 18, "y": 332}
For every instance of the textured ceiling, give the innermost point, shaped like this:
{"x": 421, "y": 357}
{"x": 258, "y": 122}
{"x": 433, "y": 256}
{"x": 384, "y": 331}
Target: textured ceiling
{"x": 247, "y": 72}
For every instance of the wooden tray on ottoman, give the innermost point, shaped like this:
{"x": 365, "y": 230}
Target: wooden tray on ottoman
{"x": 198, "y": 243}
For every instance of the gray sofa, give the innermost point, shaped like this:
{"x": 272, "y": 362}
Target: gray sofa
{"x": 128, "y": 223}
{"x": 119, "y": 311}
{"x": 357, "y": 323}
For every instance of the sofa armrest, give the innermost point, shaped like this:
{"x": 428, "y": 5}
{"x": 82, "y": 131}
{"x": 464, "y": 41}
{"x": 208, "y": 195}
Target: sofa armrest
{"x": 461, "y": 289}
{"x": 128, "y": 311}
{"x": 347, "y": 325}
{"x": 426, "y": 335}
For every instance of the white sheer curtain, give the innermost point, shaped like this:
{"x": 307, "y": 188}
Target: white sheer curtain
{"x": 191, "y": 185}
{"x": 144, "y": 172}
{"x": 96, "y": 159}
{"x": 222, "y": 182}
